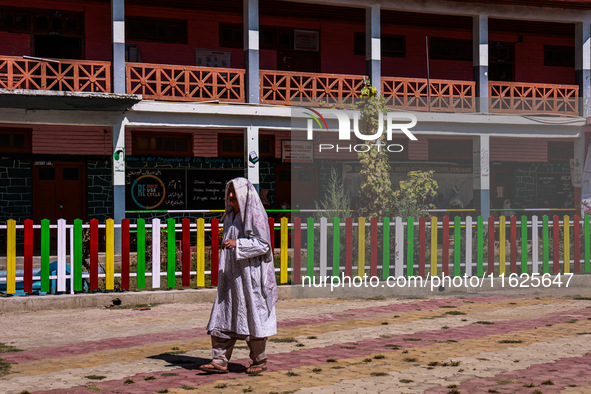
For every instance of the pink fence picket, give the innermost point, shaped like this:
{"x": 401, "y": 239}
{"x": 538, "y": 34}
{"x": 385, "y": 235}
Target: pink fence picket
{"x": 215, "y": 247}
{"x": 186, "y": 252}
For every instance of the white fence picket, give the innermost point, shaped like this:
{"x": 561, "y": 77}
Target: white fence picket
{"x": 468, "y": 245}
{"x": 61, "y": 255}
{"x": 155, "y": 253}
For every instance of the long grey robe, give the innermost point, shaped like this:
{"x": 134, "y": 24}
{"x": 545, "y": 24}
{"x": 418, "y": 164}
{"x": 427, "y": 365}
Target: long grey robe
{"x": 240, "y": 309}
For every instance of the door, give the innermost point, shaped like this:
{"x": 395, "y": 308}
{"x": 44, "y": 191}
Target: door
{"x": 501, "y": 61}
{"x": 501, "y": 186}
{"x": 59, "y": 191}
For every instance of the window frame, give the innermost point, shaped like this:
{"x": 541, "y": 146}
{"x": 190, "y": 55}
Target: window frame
{"x": 28, "y": 146}
{"x": 156, "y": 152}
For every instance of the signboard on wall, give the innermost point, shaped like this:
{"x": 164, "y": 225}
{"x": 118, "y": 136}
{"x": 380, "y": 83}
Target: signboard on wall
{"x": 165, "y": 189}
{"x": 306, "y": 40}
{"x": 297, "y": 151}
{"x": 213, "y": 58}
{"x": 554, "y": 188}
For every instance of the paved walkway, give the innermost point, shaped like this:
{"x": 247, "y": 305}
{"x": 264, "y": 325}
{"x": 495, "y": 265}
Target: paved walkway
{"x": 473, "y": 344}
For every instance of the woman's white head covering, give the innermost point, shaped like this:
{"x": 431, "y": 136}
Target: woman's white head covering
{"x": 256, "y": 225}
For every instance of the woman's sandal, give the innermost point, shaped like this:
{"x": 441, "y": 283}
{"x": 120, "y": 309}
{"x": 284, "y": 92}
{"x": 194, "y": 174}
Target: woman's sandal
{"x": 256, "y": 369}
{"x": 213, "y": 368}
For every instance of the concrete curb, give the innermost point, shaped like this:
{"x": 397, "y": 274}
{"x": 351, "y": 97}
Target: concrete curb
{"x": 579, "y": 286}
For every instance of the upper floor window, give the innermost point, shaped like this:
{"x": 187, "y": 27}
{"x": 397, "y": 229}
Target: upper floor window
{"x": 450, "y": 49}
{"x": 562, "y": 56}
{"x": 156, "y": 29}
{"x": 391, "y": 45}
{"x": 15, "y": 141}
{"x": 15, "y": 21}
{"x": 163, "y": 144}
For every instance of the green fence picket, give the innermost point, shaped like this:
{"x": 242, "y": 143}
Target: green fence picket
{"x": 524, "y": 244}
{"x": 410, "y": 245}
{"x": 78, "y": 255}
{"x": 457, "y": 245}
{"x": 141, "y": 254}
{"x": 480, "y": 247}
{"x": 310, "y": 233}
{"x": 386, "y": 249}
{"x": 170, "y": 252}
{"x": 545, "y": 243}
{"x": 45, "y": 255}
{"x": 336, "y": 246}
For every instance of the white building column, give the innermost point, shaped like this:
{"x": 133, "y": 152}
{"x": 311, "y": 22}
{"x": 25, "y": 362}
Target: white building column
{"x": 118, "y": 36}
{"x": 481, "y": 174}
{"x": 373, "y": 47}
{"x": 480, "y": 60}
{"x": 251, "y": 143}
{"x": 118, "y": 172}
{"x": 583, "y": 65}
{"x": 251, "y": 50}
{"x": 578, "y": 165}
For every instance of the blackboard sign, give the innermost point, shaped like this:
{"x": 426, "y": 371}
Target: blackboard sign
{"x": 206, "y": 188}
{"x": 554, "y": 188}
{"x": 179, "y": 189}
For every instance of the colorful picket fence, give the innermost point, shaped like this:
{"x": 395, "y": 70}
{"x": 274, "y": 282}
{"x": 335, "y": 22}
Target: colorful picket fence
{"x": 306, "y": 248}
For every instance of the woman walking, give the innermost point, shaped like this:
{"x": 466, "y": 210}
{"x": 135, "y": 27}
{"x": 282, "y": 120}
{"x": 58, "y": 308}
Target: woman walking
{"x": 244, "y": 307}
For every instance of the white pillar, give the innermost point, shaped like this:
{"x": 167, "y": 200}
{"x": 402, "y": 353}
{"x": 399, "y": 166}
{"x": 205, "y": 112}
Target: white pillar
{"x": 481, "y": 173}
{"x": 480, "y": 60}
{"x": 118, "y": 37}
{"x": 251, "y": 159}
{"x": 583, "y": 65}
{"x": 251, "y": 50}
{"x": 118, "y": 171}
{"x": 373, "y": 47}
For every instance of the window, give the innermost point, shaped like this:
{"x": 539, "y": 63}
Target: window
{"x": 156, "y": 30}
{"x": 560, "y": 151}
{"x": 58, "y": 23}
{"x": 450, "y": 49}
{"x": 232, "y": 145}
{"x": 560, "y": 56}
{"x": 231, "y": 35}
{"x": 163, "y": 144}
{"x": 392, "y": 46}
{"x": 15, "y": 141}
{"x": 15, "y": 21}
{"x": 450, "y": 150}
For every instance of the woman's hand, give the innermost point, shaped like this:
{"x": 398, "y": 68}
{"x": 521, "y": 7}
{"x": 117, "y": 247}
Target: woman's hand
{"x": 229, "y": 244}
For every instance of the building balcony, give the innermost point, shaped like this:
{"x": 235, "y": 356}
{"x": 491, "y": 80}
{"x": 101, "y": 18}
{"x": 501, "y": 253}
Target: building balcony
{"x": 58, "y": 74}
{"x": 200, "y": 84}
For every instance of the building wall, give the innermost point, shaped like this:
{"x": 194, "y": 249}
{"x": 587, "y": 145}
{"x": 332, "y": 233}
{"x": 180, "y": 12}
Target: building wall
{"x": 15, "y": 189}
{"x": 336, "y": 43}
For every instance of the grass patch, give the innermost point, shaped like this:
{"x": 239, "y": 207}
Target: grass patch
{"x": 433, "y": 363}
{"x": 291, "y": 373}
{"x": 162, "y": 391}
{"x": 444, "y": 327}
{"x": 338, "y": 367}
{"x": 129, "y": 381}
{"x": 300, "y": 345}
{"x": 151, "y": 377}
{"x": 317, "y": 370}
{"x": 4, "y": 348}
{"x": 4, "y": 367}
{"x": 379, "y": 357}
{"x": 537, "y": 392}
{"x": 448, "y": 306}
{"x": 394, "y": 347}
{"x": 455, "y": 313}
{"x": 492, "y": 391}
{"x": 411, "y": 339}
{"x": 511, "y": 341}
{"x": 247, "y": 389}
{"x": 312, "y": 337}
{"x": 220, "y": 386}
{"x": 506, "y": 381}
{"x": 483, "y": 322}
{"x": 283, "y": 340}
{"x": 529, "y": 385}
{"x": 348, "y": 347}
{"x": 409, "y": 359}
{"x": 185, "y": 387}
{"x": 367, "y": 360}
{"x": 405, "y": 380}
{"x": 404, "y": 351}
{"x": 95, "y": 377}
{"x": 331, "y": 360}
{"x": 384, "y": 323}
{"x": 92, "y": 387}
{"x": 170, "y": 374}
{"x": 454, "y": 363}
{"x": 378, "y": 374}
{"x": 547, "y": 383}
{"x": 386, "y": 336}
{"x": 583, "y": 333}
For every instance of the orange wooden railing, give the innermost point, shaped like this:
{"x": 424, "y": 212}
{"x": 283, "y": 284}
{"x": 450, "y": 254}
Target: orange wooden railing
{"x": 301, "y": 88}
{"x": 59, "y": 74}
{"x": 443, "y": 96}
{"x": 185, "y": 83}
{"x": 520, "y": 97}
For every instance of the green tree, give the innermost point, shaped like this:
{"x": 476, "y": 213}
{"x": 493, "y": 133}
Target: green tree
{"x": 376, "y": 187}
{"x": 416, "y": 194}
